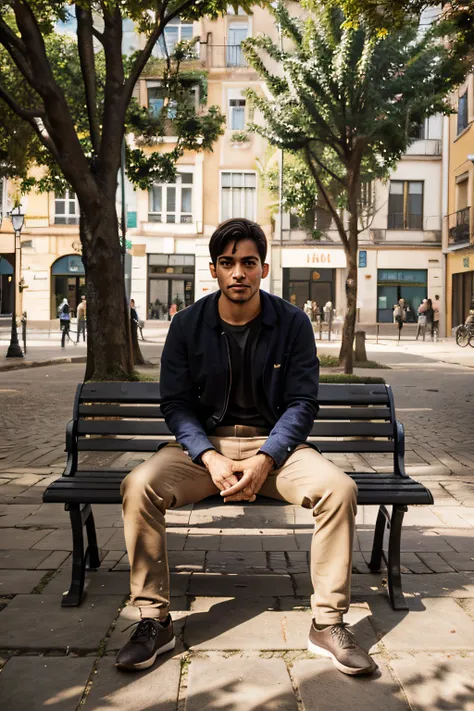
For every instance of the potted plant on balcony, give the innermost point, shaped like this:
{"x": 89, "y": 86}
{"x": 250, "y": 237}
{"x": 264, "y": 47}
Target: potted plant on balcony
{"x": 240, "y": 139}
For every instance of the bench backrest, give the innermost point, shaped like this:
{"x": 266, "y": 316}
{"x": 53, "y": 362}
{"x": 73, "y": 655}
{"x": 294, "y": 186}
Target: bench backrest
{"x": 352, "y": 418}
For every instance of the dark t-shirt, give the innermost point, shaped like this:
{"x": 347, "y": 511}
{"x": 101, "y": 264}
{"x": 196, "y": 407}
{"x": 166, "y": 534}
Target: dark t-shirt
{"x": 242, "y": 340}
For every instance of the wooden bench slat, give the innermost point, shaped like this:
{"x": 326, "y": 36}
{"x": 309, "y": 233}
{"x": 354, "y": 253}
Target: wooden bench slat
{"x": 354, "y": 413}
{"x": 123, "y": 427}
{"x": 117, "y": 410}
{"x": 157, "y": 427}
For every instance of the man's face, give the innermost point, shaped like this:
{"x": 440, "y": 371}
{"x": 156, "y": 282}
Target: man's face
{"x": 239, "y": 274}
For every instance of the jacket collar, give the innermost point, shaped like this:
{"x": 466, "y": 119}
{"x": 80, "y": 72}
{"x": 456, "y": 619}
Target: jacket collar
{"x": 211, "y": 310}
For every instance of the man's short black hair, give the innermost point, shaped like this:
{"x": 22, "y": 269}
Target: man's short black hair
{"x": 234, "y": 230}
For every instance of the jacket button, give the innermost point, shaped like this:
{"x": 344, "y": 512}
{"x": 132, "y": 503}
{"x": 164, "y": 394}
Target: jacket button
{"x": 289, "y": 449}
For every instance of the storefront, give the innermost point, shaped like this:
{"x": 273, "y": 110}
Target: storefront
{"x": 7, "y": 283}
{"x": 309, "y": 273}
{"x": 460, "y": 284}
{"x": 68, "y": 281}
{"x": 394, "y": 284}
{"x": 170, "y": 284}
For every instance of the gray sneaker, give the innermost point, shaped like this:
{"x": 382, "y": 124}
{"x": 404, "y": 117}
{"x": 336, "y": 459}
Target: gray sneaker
{"x": 338, "y": 642}
{"x": 149, "y": 639}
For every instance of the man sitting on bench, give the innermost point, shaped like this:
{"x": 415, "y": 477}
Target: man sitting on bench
{"x": 239, "y": 386}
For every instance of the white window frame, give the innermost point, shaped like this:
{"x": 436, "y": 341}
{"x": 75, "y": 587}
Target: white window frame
{"x": 171, "y": 106}
{"x": 241, "y": 172}
{"x": 232, "y": 109}
{"x": 66, "y": 218}
{"x": 240, "y": 11}
{"x": 178, "y": 213}
{"x": 176, "y": 23}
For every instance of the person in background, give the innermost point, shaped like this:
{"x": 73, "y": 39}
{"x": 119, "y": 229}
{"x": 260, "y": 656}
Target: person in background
{"x": 437, "y": 312}
{"x": 308, "y": 308}
{"x": 133, "y": 320}
{"x": 422, "y": 319}
{"x": 429, "y": 313}
{"x": 81, "y": 319}
{"x": 64, "y": 320}
{"x": 399, "y": 315}
{"x": 314, "y": 311}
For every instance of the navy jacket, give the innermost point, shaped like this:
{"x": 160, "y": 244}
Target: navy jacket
{"x": 195, "y": 375}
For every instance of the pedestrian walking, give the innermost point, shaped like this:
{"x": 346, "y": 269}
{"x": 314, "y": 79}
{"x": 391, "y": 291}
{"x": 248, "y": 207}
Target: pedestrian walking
{"x": 308, "y": 308}
{"x": 422, "y": 319}
{"x": 429, "y": 313}
{"x": 314, "y": 311}
{"x": 64, "y": 321}
{"x": 399, "y": 315}
{"x": 436, "y": 317}
{"x": 81, "y": 319}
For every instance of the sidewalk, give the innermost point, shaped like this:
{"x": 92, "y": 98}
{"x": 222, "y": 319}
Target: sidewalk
{"x": 240, "y": 585}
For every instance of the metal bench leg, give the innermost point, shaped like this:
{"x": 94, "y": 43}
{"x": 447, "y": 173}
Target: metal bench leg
{"x": 73, "y": 597}
{"x": 393, "y": 562}
{"x": 92, "y": 553}
{"x": 377, "y": 548}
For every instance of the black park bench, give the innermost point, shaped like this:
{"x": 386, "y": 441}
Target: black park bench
{"x": 126, "y": 417}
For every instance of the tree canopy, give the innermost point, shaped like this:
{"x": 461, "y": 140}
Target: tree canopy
{"x": 345, "y": 98}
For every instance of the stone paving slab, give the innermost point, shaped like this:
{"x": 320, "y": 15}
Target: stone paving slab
{"x": 33, "y": 683}
{"x": 13, "y": 582}
{"x": 98, "y": 582}
{"x": 240, "y": 585}
{"x": 19, "y": 538}
{"x": 456, "y": 585}
{"x": 22, "y": 559}
{"x": 436, "y": 681}
{"x": 153, "y": 690}
{"x": 239, "y": 684}
{"x": 323, "y": 688}
{"x": 45, "y": 625}
{"x": 432, "y": 624}
{"x": 58, "y": 541}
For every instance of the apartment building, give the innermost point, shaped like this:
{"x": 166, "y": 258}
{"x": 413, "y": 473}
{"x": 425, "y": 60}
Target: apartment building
{"x": 172, "y": 224}
{"x": 399, "y": 245}
{"x": 458, "y": 195}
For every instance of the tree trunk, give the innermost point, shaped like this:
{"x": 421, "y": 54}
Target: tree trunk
{"x": 109, "y": 353}
{"x": 346, "y": 354}
{"x": 347, "y": 345}
{"x": 138, "y": 359}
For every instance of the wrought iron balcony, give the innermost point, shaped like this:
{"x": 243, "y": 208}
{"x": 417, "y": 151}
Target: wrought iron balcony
{"x": 226, "y": 55}
{"x": 459, "y": 226}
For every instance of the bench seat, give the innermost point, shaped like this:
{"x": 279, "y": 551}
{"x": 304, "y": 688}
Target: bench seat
{"x": 120, "y": 418}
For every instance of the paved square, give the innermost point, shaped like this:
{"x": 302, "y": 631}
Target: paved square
{"x": 437, "y": 681}
{"x": 45, "y": 625}
{"x": 239, "y": 684}
{"x": 30, "y": 683}
{"x": 115, "y": 690}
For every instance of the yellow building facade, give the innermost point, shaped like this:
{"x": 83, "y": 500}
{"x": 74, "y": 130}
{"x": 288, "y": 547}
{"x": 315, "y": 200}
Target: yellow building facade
{"x": 458, "y": 232}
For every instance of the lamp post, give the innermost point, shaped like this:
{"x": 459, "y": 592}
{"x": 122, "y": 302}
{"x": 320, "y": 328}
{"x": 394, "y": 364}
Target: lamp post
{"x": 17, "y": 218}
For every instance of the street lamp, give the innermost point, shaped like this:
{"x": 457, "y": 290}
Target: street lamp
{"x": 17, "y": 218}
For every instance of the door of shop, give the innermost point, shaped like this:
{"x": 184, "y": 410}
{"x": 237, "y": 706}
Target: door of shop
{"x": 299, "y": 285}
{"x": 7, "y": 284}
{"x": 463, "y": 297}
{"x": 68, "y": 281}
{"x": 395, "y": 284}
{"x": 164, "y": 293}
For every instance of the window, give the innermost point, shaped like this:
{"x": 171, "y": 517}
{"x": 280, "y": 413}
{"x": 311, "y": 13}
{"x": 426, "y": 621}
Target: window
{"x": 238, "y": 195}
{"x": 237, "y": 114}
{"x": 462, "y": 112}
{"x": 172, "y": 203}
{"x": 417, "y": 131}
{"x": 157, "y": 100}
{"x": 237, "y": 33}
{"x": 66, "y": 209}
{"x": 175, "y": 32}
{"x": 231, "y": 10}
{"x": 405, "y": 205}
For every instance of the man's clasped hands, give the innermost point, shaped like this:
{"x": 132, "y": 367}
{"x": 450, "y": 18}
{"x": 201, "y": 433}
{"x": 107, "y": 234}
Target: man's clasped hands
{"x": 237, "y": 481}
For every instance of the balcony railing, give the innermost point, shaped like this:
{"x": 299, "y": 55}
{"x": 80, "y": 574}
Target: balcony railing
{"x": 226, "y": 55}
{"x": 459, "y": 226}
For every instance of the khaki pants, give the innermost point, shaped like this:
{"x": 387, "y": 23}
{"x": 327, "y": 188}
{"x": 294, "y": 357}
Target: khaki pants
{"x": 171, "y": 479}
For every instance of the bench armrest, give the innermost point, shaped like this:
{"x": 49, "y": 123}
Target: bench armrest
{"x": 399, "y": 453}
{"x": 71, "y": 448}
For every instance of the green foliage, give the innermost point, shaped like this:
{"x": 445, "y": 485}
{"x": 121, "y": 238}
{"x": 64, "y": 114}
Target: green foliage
{"x": 240, "y": 137}
{"x": 344, "y": 378}
{"x": 345, "y": 98}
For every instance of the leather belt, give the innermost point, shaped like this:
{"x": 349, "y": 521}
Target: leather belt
{"x": 240, "y": 431}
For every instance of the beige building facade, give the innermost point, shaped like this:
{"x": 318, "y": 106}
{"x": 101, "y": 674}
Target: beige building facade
{"x": 458, "y": 233}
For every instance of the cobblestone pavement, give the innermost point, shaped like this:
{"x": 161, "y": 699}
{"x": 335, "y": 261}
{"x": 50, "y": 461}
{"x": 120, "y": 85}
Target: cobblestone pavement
{"x": 239, "y": 578}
